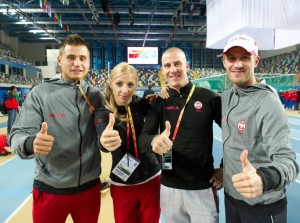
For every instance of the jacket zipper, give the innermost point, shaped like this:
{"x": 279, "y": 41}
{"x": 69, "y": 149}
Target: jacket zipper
{"x": 79, "y": 116}
{"x": 228, "y": 116}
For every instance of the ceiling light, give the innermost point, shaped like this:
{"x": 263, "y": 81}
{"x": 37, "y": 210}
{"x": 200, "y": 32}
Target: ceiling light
{"x": 47, "y": 38}
{"x": 65, "y": 2}
{"x": 37, "y": 31}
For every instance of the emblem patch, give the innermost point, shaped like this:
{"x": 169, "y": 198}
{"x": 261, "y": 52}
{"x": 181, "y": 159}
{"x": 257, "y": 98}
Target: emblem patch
{"x": 241, "y": 127}
{"x": 198, "y": 105}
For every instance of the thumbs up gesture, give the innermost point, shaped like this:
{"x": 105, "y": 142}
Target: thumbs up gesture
{"x": 248, "y": 183}
{"x": 110, "y": 138}
{"x": 42, "y": 144}
{"x": 161, "y": 143}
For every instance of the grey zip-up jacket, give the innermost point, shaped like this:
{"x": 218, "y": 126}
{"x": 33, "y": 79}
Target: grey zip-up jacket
{"x": 253, "y": 118}
{"x": 75, "y": 158}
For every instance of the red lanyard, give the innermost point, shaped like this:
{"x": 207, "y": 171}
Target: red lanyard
{"x": 129, "y": 123}
{"x": 181, "y": 114}
{"x": 91, "y": 107}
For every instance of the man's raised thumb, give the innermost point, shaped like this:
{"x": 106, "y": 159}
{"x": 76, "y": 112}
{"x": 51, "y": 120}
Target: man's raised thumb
{"x": 244, "y": 159}
{"x": 111, "y": 122}
{"x": 44, "y": 128}
{"x": 168, "y": 128}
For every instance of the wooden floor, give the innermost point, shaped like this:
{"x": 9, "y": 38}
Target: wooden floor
{"x": 106, "y": 212}
{"x": 292, "y": 113}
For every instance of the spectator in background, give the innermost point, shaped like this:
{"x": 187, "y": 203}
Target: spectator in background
{"x": 258, "y": 158}
{"x": 185, "y": 120}
{"x": 281, "y": 96}
{"x": 135, "y": 193}
{"x": 56, "y": 127}
{"x": 298, "y": 92}
{"x": 148, "y": 91}
{"x": 17, "y": 96}
{"x": 12, "y": 107}
{"x": 294, "y": 99}
{"x": 26, "y": 94}
{"x": 287, "y": 98}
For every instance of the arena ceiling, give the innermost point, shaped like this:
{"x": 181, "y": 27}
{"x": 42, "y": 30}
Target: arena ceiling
{"x": 133, "y": 22}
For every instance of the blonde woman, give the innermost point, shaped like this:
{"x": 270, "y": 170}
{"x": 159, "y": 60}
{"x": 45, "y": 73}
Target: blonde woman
{"x": 135, "y": 176}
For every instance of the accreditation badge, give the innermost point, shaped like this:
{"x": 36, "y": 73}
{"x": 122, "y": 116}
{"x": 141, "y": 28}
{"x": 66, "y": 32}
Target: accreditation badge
{"x": 167, "y": 160}
{"x": 125, "y": 167}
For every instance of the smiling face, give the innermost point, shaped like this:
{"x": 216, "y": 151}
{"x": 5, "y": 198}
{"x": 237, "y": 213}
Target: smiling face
{"x": 74, "y": 61}
{"x": 123, "y": 87}
{"x": 174, "y": 68}
{"x": 240, "y": 65}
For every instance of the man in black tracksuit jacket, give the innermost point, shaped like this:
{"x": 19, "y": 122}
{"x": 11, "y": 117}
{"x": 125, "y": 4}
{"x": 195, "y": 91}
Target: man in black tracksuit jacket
{"x": 192, "y": 173}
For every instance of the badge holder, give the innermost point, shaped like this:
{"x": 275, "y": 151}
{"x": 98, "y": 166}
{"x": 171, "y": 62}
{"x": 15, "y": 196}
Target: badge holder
{"x": 125, "y": 167}
{"x": 167, "y": 160}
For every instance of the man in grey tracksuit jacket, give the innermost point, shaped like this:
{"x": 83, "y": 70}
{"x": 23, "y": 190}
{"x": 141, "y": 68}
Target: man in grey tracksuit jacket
{"x": 56, "y": 126}
{"x": 254, "y": 119}
{"x": 75, "y": 158}
{"x": 258, "y": 159}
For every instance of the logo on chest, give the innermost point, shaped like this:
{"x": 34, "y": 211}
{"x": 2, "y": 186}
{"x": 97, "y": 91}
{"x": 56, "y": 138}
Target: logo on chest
{"x": 241, "y": 126}
{"x": 170, "y": 108}
{"x": 53, "y": 115}
{"x": 198, "y": 106}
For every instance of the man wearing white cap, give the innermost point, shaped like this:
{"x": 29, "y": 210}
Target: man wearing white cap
{"x": 258, "y": 158}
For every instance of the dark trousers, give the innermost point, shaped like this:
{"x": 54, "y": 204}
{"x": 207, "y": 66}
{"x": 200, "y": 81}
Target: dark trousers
{"x": 236, "y": 214}
{"x": 12, "y": 114}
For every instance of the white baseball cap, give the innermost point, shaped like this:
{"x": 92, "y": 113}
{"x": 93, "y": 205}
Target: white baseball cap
{"x": 244, "y": 41}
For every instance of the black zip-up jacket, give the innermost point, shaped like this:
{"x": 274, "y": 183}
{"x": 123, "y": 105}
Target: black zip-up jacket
{"x": 192, "y": 148}
{"x": 149, "y": 165}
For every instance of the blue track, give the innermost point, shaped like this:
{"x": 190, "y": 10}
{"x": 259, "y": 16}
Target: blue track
{"x": 3, "y": 124}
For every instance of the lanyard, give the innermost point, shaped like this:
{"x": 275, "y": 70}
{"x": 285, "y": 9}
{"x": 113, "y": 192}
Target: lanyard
{"x": 129, "y": 119}
{"x": 91, "y": 107}
{"x": 181, "y": 114}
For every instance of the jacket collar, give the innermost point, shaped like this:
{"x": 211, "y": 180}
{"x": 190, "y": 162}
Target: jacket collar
{"x": 183, "y": 90}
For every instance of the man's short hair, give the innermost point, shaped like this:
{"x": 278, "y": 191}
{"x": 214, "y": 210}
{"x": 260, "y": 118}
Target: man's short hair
{"x": 75, "y": 40}
{"x": 12, "y": 88}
